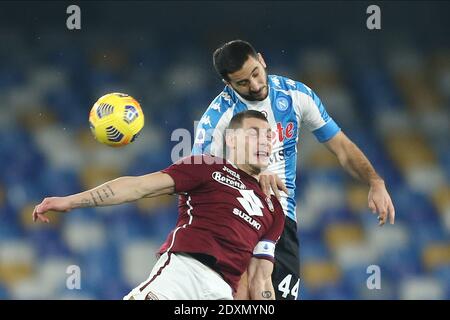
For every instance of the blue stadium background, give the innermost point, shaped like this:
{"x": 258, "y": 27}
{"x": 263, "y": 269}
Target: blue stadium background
{"x": 388, "y": 89}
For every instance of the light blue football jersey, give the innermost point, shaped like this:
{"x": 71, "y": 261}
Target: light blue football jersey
{"x": 288, "y": 105}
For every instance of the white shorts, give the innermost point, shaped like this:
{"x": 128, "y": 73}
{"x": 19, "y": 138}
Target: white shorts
{"x": 178, "y": 276}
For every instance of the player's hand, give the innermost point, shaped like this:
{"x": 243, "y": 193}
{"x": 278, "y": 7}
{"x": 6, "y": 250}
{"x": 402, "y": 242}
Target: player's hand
{"x": 380, "y": 202}
{"x": 60, "y": 204}
{"x": 270, "y": 181}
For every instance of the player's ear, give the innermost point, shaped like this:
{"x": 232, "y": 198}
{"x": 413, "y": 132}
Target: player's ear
{"x": 261, "y": 60}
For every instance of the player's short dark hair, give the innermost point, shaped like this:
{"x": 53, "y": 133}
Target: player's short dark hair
{"x": 238, "y": 118}
{"x": 231, "y": 56}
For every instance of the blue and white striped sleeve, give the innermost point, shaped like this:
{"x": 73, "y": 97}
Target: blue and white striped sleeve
{"x": 315, "y": 116}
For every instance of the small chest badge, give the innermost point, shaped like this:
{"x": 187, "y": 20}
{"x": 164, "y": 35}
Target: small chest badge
{"x": 282, "y": 104}
{"x": 269, "y": 204}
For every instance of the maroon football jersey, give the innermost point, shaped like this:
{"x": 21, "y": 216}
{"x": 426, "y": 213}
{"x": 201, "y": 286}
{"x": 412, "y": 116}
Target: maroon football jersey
{"x": 223, "y": 213}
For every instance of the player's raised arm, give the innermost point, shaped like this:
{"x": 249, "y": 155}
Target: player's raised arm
{"x": 117, "y": 191}
{"x": 353, "y": 160}
{"x": 260, "y": 279}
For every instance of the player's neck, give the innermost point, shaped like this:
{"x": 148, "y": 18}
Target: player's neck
{"x": 248, "y": 169}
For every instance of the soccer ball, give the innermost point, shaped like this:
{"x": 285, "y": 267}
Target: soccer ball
{"x": 116, "y": 119}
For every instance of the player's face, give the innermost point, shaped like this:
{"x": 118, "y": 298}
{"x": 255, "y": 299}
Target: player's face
{"x": 254, "y": 141}
{"x": 251, "y": 80}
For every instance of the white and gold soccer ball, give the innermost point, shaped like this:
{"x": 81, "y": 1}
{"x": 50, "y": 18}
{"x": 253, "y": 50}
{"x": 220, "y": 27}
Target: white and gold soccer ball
{"x": 116, "y": 119}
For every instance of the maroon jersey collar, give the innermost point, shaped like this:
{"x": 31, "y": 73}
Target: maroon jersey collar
{"x": 242, "y": 171}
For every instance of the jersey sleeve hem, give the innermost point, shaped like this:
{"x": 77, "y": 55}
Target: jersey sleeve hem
{"x": 327, "y": 131}
{"x": 264, "y": 256}
{"x": 174, "y": 178}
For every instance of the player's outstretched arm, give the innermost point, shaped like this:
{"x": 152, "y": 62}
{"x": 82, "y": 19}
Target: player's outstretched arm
{"x": 260, "y": 279}
{"x": 353, "y": 160}
{"x": 117, "y": 191}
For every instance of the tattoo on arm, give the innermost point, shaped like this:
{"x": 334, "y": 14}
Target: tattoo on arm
{"x": 100, "y": 197}
{"x": 93, "y": 198}
{"x": 110, "y": 190}
{"x": 106, "y": 193}
{"x": 83, "y": 203}
{"x": 266, "y": 294}
{"x": 97, "y": 196}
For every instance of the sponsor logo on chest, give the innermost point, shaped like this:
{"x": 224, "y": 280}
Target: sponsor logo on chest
{"x": 228, "y": 181}
{"x": 284, "y": 132}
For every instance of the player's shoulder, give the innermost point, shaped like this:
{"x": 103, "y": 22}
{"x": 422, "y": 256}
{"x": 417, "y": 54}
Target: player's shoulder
{"x": 288, "y": 84}
{"x": 223, "y": 101}
{"x": 220, "y": 105}
{"x": 204, "y": 161}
